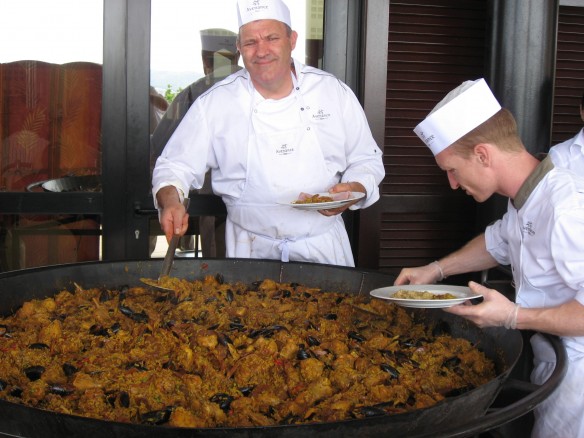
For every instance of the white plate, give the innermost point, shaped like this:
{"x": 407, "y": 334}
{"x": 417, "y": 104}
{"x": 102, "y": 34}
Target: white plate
{"x": 461, "y": 292}
{"x": 324, "y": 205}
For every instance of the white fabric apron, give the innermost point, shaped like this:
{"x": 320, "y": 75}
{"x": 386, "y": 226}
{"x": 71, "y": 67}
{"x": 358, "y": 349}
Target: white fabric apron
{"x": 284, "y": 159}
{"x": 560, "y": 415}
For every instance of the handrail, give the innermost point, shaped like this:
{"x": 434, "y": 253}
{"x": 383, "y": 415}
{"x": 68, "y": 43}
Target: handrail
{"x": 200, "y": 205}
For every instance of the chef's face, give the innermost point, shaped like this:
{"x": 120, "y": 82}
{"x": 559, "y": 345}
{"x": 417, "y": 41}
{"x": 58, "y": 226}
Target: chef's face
{"x": 467, "y": 173}
{"x": 266, "y": 49}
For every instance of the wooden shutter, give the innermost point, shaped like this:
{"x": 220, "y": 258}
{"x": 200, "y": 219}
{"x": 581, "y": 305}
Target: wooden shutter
{"x": 569, "y": 82}
{"x": 434, "y": 45}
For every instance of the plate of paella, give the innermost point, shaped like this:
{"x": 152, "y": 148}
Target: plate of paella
{"x": 425, "y": 295}
{"x": 322, "y": 201}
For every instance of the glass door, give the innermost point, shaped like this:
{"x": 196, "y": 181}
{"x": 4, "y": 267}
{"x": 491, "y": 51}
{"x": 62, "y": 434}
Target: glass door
{"x": 50, "y": 129}
{"x": 83, "y": 86}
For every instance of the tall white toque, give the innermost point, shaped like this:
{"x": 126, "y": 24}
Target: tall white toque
{"x": 462, "y": 110}
{"x": 251, "y": 10}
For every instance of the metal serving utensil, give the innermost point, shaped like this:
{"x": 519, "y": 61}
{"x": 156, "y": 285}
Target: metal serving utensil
{"x": 169, "y": 257}
{"x": 168, "y": 260}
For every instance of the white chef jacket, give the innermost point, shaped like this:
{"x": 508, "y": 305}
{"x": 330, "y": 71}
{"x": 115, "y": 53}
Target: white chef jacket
{"x": 570, "y": 153}
{"x": 541, "y": 237}
{"x": 216, "y": 134}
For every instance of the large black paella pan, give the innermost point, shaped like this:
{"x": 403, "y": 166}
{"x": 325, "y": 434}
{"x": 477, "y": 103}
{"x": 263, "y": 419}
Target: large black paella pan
{"x": 462, "y": 415}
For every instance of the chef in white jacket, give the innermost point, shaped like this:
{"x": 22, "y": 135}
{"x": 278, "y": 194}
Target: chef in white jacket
{"x": 570, "y": 153}
{"x": 540, "y": 236}
{"x": 269, "y": 132}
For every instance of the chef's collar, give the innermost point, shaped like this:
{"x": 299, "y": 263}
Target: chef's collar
{"x": 294, "y": 68}
{"x": 294, "y": 79}
{"x": 532, "y": 181}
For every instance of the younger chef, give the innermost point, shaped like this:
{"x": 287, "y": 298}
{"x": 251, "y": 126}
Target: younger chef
{"x": 570, "y": 153}
{"x": 476, "y": 143}
{"x": 269, "y": 132}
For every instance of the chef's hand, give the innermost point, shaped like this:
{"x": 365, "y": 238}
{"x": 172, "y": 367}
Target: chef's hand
{"x": 495, "y": 310}
{"x": 343, "y": 187}
{"x": 173, "y": 216}
{"x": 427, "y": 274}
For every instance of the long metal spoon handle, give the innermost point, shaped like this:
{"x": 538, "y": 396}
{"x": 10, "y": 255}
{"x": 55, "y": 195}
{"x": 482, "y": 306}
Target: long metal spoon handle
{"x": 169, "y": 257}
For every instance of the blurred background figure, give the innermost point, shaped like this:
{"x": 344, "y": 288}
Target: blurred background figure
{"x": 158, "y": 107}
{"x": 220, "y": 59}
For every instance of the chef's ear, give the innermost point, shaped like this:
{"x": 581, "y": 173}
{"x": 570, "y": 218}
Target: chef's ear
{"x": 482, "y": 153}
{"x": 293, "y": 39}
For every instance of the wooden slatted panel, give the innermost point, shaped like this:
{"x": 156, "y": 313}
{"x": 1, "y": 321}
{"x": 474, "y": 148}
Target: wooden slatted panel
{"x": 434, "y": 45}
{"x": 569, "y": 83}
{"x": 418, "y": 238}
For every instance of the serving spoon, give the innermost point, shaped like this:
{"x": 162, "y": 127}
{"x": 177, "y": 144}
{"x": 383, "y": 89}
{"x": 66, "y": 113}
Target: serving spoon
{"x": 168, "y": 260}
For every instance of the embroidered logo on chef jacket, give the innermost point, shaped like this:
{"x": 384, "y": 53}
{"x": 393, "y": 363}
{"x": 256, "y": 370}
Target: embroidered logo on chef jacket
{"x": 528, "y": 229}
{"x": 321, "y": 115}
{"x": 284, "y": 150}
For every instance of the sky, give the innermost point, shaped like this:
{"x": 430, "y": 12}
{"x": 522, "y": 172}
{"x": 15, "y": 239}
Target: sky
{"x": 63, "y": 31}
{"x": 176, "y": 25}
{"x": 47, "y": 31}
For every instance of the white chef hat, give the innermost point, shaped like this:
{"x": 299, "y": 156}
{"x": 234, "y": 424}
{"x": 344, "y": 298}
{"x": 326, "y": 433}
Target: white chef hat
{"x": 251, "y": 10}
{"x": 218, "y": 40}
{"x": 462, "y": 110}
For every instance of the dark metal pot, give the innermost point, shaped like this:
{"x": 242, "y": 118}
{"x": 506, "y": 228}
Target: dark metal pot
{"x": 84, "y": 183}
{"x": 463, "y": 415}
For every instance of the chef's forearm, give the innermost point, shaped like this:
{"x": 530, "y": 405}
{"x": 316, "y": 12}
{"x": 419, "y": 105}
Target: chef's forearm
{"x": 564, "y": 320}
{"x": 472, "y": 257}
{"x": 168, "y": 195}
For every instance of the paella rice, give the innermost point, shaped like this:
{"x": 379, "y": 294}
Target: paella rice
{"x": 217, "y": 354}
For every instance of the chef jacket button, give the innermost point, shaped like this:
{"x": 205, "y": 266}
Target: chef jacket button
{"x": 255, "y": 111}
{"x": 308, "y": 128}
{"x": 301, "y": 109}
{"x": 297, "y": 88}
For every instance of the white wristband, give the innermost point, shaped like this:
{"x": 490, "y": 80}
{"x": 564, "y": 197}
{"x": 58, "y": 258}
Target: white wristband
{"x": 442, "y": 276}
{"x": 511, "y": 320}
